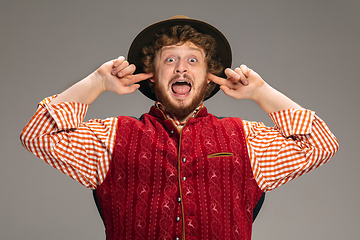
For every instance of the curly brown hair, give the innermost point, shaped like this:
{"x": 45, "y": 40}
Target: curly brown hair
{"x": 182, "y": 34}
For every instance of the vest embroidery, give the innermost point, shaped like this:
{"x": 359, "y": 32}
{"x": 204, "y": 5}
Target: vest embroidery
{"x": 162, "y": 184}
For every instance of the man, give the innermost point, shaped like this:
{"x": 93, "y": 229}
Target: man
{"x": 178, "y": 172}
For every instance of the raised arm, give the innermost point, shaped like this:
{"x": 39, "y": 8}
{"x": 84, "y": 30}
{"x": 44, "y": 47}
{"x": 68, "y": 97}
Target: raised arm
{"x": 115, "y": 76}
{"x": 299, "y": 142}
{"x": 58, "y": 134}
{"x": 244, "y": 83}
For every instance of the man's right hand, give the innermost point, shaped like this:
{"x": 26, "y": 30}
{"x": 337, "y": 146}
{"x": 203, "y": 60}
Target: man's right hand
{"x": 117, "y": 76}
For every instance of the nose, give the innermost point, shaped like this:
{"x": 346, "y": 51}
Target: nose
{"x": 181, "y": 67}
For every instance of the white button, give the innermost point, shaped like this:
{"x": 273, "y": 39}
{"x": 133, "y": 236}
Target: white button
{"x": 179, "y": 199}
{"x": 177, "y": 238}
{"x": 184, "y": 178}
{"x": 184, "y": 159}
{"x": 178, "y": 219}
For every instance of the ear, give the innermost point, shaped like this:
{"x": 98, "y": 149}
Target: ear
{"x": 152, "y": 79}
{"x": 207, "y": 78}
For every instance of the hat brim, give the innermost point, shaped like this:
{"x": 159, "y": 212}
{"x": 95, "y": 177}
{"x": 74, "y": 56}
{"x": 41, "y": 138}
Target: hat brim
{"x": 147, "y": 36}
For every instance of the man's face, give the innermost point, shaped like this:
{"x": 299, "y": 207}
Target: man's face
{"x": 180, "y": 78}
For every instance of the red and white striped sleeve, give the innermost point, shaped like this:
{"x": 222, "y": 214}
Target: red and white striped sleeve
{"x": 81, "y": 150}
{"x": 299, "y": 143}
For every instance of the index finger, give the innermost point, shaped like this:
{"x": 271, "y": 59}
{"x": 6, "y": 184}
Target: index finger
{"x": 216, "y": 79}
{"x": 141, "y": 76}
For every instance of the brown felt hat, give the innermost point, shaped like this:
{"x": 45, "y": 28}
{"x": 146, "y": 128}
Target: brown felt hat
{"x": 147, "y": 36}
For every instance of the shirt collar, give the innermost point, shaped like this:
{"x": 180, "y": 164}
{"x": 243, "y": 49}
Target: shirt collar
{"x": 172, "y": 117}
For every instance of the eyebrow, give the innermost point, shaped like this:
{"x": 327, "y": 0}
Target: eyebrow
{"x": 191, "y": 48}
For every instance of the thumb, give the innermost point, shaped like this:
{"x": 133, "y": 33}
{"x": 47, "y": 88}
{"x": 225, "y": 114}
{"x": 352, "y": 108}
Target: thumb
{"x": 226, "y": 90}
{"x": 230, "y": 92}
{"x": 133, "y": 88}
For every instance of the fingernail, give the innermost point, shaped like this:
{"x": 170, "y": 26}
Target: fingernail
{"x": 121, "y": 58}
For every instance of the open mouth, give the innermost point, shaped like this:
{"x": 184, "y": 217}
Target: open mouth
{"x": 181, "y": 87}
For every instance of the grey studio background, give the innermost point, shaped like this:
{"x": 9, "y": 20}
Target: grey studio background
{"x": 309, "y": 50}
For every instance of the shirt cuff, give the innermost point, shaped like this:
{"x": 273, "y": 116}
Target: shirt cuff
{"x": 292, "y": 122}
{"x": 67, "y": 115}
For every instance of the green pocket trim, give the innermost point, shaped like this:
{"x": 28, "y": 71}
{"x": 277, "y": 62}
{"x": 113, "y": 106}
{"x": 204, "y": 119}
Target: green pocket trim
{"x": 220, "y": 154}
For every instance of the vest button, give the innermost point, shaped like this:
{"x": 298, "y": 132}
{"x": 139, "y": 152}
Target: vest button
{"x": 178, "y": 219}
{"x": 184, "y": 178}
{"x": 184, "y": 160}
{"x": 177, "y": 238}
{"x": 172, "y": 131}
{"x": 179, "y": 199}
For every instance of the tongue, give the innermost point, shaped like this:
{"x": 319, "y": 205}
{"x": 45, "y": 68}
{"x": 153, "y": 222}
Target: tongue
{"x": 181, "y": 88}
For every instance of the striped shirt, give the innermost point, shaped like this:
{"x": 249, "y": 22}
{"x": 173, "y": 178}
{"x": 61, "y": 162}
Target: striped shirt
{"x": 299, "y": 143}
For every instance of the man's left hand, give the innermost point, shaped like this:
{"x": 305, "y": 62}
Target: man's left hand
{"x": 242, "y": 82}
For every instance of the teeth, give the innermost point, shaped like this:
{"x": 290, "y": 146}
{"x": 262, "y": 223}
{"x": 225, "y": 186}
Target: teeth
{"x": 181, "y": 82}
{"x": 179, "y": 86}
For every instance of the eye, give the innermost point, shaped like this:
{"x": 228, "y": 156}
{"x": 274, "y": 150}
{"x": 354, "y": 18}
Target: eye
{"x": 193, "y": 60}
{"x": 170, "y": 59}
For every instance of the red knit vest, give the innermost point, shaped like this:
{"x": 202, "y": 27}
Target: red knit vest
{"x": 162, "y": 184}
